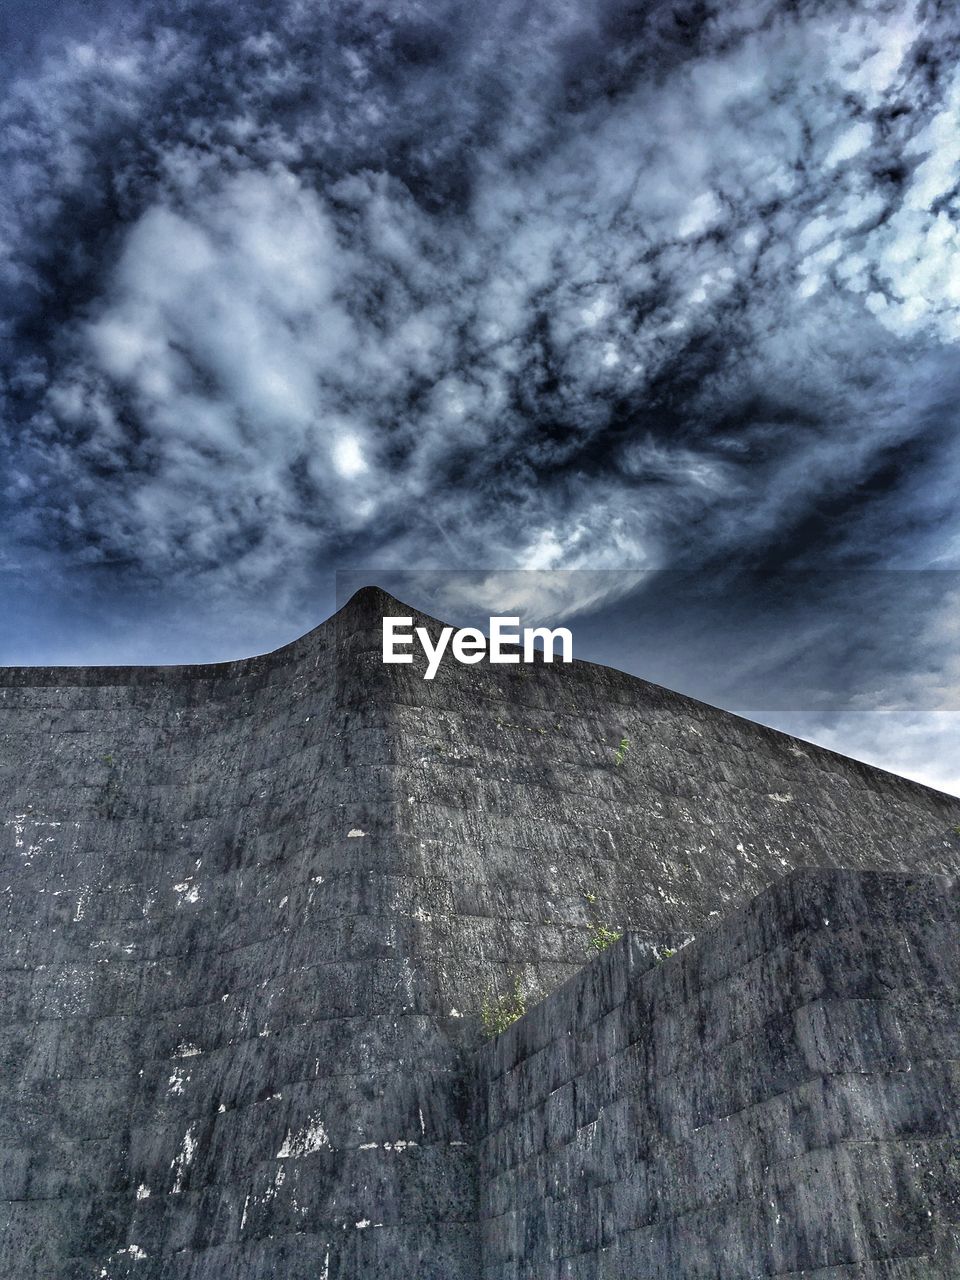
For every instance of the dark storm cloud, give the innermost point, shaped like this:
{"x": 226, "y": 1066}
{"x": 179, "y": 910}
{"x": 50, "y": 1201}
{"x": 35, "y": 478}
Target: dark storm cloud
{"x": 550, "y": 285}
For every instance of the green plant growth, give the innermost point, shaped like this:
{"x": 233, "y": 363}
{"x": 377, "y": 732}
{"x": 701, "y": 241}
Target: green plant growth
{"x": 622, "y": 750}
{"x": 498, "y": 1014}
{"x": 602, "y": 937}
{"x": 599, "y": 935}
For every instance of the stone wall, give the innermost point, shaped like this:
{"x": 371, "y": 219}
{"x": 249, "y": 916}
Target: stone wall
{"x": 249, "y": 913}
{"x": 780, "y": 1098}
{"x": 210, "y": 1010}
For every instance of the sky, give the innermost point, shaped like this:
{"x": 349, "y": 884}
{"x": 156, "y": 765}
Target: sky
{"x": 657, "y": 303}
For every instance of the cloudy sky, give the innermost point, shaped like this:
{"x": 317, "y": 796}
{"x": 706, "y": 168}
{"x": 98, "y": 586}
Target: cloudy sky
{"x": 627, "y": 294}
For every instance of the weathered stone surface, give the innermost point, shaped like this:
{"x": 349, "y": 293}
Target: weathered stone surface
{"x": 250, "y": 912}
{"x": 780, "y": 1098}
